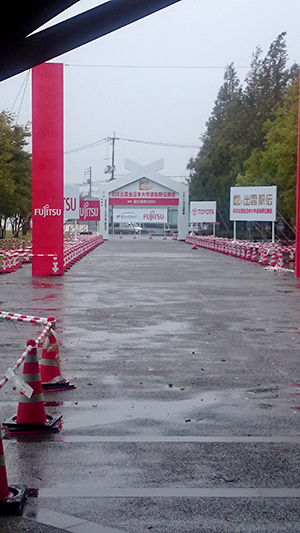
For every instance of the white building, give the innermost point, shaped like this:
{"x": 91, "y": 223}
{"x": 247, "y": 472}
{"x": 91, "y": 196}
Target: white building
{"x": 144, "y": 195}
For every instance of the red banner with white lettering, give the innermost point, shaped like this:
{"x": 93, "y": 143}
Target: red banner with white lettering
{"x": 47, "y": 169}
{"x": 89, "y": 210}
{"x": 144, "y": 201}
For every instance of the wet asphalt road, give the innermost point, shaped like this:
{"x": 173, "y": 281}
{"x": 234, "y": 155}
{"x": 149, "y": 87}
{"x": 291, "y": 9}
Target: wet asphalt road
{"x": 186, "y": 412}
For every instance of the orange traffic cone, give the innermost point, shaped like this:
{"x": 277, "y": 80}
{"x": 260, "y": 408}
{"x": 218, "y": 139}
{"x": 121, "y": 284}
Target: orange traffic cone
{"x": 292, "y": 255}
{"x": 150, "y": 236}
{"x": 12, "y": 498}
{"x": 4, "y": 490}
{"x": 165, "y": 237}
{"x": 51, "y": 377}
{"x": 254, "y": 255}
{"x": 134, "y": 235}
{"x": 4, "y": 266}
{"x": 264, "y": 257}
{"x": 280, "y": 263}
{"x": 273, "y": 258}
{"x": 31, "y": 416}
{"x": 248, "y": 253}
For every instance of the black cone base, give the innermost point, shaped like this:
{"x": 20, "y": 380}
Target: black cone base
{"x": 61, "y": 385}
{"x": 14, "y": 504}
{"x": 14, "y": 428}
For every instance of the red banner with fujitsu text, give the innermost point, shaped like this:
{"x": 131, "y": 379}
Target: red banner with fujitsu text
{"x": 89, "y": 210}
{"x": 47, "y": 169}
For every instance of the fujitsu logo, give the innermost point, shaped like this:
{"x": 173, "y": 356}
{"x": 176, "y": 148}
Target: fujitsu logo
{"x": 87, "y": 211}
{"x": 154, "y": 216}
{"x": 47, "y": 211}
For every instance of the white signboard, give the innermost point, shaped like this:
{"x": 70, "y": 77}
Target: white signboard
{"x": 19, "y": 382}
{"x": 253, "y": 203}
{"x": 144, "y": 214}
{"x": 71, "y": 202}
{"x": 204, "y": 212}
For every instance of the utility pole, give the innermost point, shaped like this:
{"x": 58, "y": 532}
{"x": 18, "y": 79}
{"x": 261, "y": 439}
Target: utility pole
{"x": 88, "y": 171}
{"x": 113, "y": 140}
{"x": 110, "y": 169}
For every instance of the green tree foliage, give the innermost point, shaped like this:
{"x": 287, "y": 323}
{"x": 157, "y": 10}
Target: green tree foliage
{"x": 215, "y": 168}
{"x": 235, "y": 127}
{"x": 15, "y": 173}
{"x": 276, "y": 162}
{"x": 266, "y": 84}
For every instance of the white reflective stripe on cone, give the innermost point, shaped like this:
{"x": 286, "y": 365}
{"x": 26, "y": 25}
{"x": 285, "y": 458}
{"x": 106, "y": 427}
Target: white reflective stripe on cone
{"x": 35, "y": 398}
{"x": 32, "y": 377}
{"x": 48, "y": 362}
{"x": 31, "y": 357}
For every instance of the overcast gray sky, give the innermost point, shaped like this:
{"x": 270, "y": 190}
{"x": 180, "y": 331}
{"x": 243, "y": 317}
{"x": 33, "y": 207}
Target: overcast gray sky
{"x": 108, "y": 87}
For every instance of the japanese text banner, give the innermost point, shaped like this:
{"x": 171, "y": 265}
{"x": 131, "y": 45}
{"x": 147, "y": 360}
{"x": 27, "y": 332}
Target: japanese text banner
{"x": 253, "y": 203}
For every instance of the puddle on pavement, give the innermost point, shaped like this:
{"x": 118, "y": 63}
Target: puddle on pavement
{"x": 37, "y": 284}
{"x": 86, "y": 414}
{"x": 125, "y": 332}
{"x": 47, "y": 297}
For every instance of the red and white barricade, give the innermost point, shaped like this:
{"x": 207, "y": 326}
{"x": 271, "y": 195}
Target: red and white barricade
{"x": 271, "y": 256}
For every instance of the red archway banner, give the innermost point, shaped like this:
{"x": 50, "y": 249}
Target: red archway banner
{"x": 47, "y": 169}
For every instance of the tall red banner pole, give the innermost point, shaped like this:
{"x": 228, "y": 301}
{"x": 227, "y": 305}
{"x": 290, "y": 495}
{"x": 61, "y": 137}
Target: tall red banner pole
{"x": 47, "y": 169}
{"x": 297, "y": 264}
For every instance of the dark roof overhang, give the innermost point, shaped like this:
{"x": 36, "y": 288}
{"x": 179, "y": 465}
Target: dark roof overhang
{"x": 21, "y": 49}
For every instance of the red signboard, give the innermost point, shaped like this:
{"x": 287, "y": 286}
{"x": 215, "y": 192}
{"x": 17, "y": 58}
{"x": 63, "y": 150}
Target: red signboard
{"x": 89, "y": 210}
{"x": 297, "y": 265}
{"x": 47, "y": 169}
{"x": 144, "y": 201}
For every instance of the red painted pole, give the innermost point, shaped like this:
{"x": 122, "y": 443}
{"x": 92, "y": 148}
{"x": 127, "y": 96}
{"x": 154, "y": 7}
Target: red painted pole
{"x": 47, "y": 168}
{"x": 297, "y": 263}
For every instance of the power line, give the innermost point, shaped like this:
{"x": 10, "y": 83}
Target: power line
{"x": 23, "y": 95}
{"x": 171, "y": 145}
{"x": 22, "y": 88}
{"x": 166, "y": 67}
{"x": 86, "y": 146}
{"x": 154, "y": 143}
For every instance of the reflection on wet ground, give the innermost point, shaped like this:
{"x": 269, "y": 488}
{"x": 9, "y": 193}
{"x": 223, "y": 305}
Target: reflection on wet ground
{"x": 187, "y": 367}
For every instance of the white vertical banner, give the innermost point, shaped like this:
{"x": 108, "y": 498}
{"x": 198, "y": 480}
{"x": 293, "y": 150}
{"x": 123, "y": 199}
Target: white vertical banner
{"x": 253, "y": 203}
{"x": 71, "y": 202}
